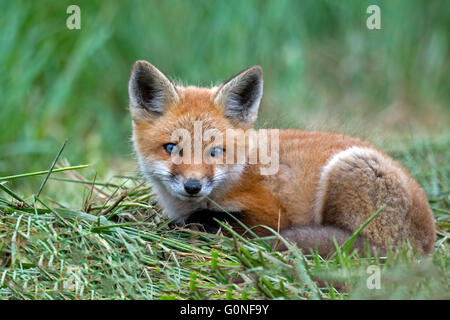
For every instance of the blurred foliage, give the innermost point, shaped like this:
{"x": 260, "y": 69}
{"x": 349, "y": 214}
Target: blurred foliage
{"x": 323, "y": 68}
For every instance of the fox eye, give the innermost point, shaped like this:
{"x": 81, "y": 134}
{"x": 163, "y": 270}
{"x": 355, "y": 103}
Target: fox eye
{"x": 216, "y": 152}
{"x": 168, "y": 147}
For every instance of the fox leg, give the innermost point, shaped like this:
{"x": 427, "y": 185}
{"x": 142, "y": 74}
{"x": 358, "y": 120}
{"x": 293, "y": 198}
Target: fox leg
{"x": 356, "y": 182}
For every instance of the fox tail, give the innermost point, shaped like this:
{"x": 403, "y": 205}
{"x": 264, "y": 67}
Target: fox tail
{"x": 320, "y": 238}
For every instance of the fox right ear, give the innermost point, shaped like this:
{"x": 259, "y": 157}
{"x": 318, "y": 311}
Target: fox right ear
{"x": 150, "y": 91}
{"x": 240, "y": 96}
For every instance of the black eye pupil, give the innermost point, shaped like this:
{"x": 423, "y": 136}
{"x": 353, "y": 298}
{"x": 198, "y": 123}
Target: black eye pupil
{"x": 169, "y": 147}
{"x": 215, "y": 152}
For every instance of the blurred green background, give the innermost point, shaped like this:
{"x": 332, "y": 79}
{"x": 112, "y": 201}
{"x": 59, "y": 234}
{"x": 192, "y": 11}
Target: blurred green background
{"x": 323, "y": 69}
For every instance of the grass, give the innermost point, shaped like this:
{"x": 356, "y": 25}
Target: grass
{"x": 116, "y": 245}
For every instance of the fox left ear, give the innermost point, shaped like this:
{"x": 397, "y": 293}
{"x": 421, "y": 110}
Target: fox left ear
{"x": 240, "y": 96}
{"x": 150, "y": 91}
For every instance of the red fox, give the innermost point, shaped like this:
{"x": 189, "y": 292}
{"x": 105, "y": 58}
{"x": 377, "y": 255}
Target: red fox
{"x": 325, "y": 186}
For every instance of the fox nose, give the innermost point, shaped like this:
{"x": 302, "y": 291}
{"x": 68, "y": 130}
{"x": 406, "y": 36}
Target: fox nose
{"x": 192, "y": 186}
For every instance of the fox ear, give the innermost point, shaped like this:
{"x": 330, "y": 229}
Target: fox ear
{"x": 240, "y": 96}
{"x": 150, "y": 91}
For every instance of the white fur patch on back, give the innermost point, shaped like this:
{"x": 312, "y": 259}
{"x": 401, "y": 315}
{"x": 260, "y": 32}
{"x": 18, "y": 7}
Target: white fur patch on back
{"x": 326, "y": 169}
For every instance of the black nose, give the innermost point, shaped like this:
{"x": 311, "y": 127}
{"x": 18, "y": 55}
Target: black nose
{"x": 192, "y": 186}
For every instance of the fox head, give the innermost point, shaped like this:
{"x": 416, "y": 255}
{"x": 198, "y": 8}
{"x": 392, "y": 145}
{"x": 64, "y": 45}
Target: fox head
{"x": 179, "y": 133}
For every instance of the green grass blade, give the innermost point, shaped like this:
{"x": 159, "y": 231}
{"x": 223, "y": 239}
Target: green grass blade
{"x": 348, "y": 243}
{"x": 13, "y": 194}
{"x": 51, "y": 168}
{"x": 39, "y": 173}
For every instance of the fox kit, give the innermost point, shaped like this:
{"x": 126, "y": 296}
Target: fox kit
{"x": 324, "y": 185}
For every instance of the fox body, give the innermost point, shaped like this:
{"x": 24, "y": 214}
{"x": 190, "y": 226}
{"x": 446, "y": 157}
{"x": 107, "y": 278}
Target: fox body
{"x": 326, "y": 184}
